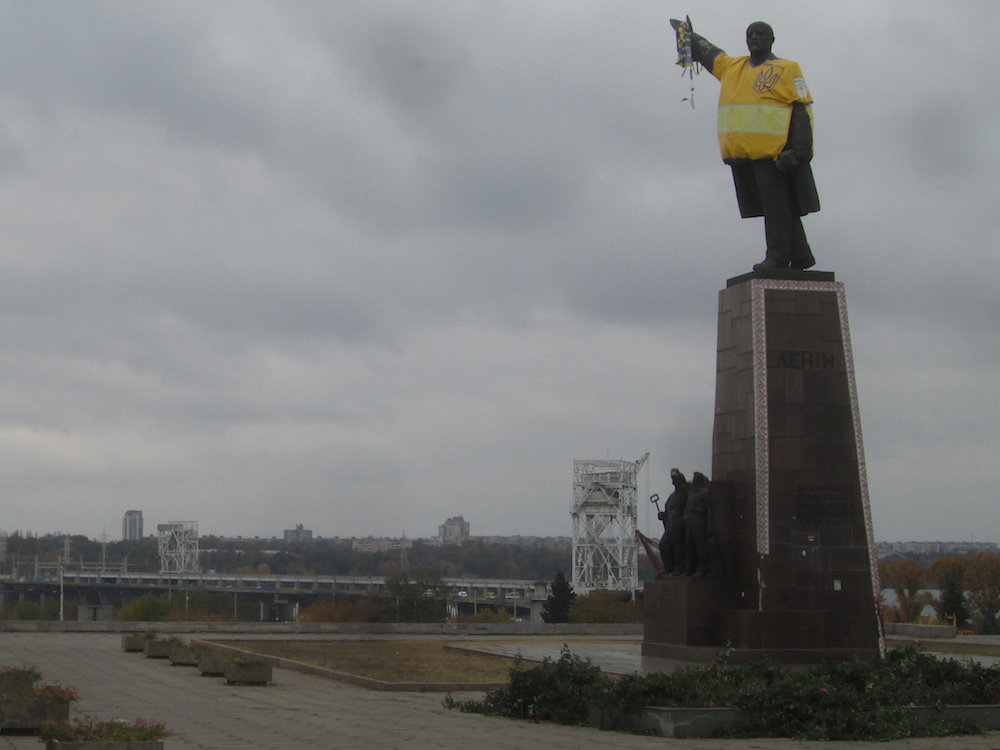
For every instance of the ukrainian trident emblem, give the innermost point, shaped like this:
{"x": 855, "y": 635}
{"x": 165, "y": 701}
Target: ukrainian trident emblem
{"x": 768, "y": 78}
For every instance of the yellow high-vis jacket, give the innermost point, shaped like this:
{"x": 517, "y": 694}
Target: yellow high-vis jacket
{"x": 755, "y": 105}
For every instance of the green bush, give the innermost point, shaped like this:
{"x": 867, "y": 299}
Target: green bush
{"x": 145, "y": 608}
{"x": 861, "y": 699}
{"x": 561, "y": 691}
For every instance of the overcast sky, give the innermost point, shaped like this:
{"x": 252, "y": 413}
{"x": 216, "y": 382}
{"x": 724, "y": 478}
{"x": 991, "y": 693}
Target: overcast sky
{"x": 367, "y": 265}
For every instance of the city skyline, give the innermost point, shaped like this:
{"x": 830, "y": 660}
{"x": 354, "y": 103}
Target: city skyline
{"x": 299, "y": 534}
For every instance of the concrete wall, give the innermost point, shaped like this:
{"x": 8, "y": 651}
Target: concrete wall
{"x": 919, "y": 631}
{"x": 293, "y": 628}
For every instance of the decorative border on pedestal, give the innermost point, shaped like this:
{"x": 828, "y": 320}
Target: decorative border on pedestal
{"x": 761, "y": 432}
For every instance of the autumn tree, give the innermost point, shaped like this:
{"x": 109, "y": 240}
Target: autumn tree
{"x": 906, "y": 577}
{"x": 498, "y": 615}
{"x": 556, "y": 607}
{"x": 949, "y": 573}
{"x": 982, "y": 580}
{"x": 418, "y": 597}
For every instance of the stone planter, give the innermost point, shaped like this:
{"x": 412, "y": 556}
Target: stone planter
{"x": 157, "y": 649}
{"x": 211, "y": 663}
{"x": 247, "y": 672}
{"x": 711, "y": 722}
{"x": 135, "y": 642}
{"x": 15, "y": 685}
{"x": 23, "y": 714}
{"x": 685, "y": 722}
{"x": 183, "y": 656}
{"x": 92, "y": 745}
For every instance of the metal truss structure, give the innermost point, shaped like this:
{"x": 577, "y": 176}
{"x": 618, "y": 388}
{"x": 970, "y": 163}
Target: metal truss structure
{"x": 605, "y": 516}
{"x": 178, "y": 547}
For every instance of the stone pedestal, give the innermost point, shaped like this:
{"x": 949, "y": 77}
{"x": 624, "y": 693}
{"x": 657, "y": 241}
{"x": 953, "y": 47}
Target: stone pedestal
{"x": 696, "y": 610}
{"x": 788, "y": 461}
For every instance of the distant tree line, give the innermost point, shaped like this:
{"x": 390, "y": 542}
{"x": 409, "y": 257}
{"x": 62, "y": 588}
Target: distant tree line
{"x": 472, "y": 558}
{"x": 969, "y": 588}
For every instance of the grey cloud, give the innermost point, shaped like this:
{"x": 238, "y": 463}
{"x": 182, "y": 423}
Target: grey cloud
{"x": 297, "y": 258}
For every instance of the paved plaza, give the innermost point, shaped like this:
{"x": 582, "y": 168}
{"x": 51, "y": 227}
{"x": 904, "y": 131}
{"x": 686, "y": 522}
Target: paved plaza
{"x": 304, "y": 711}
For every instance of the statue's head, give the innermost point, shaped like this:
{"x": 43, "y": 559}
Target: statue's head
{"x": 699, "y": 479}
{"x": 677, "y": 478}
{"x": 760, "y": 38}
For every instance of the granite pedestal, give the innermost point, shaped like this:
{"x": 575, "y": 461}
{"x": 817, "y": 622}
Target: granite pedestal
{"x": 788, "y": 473}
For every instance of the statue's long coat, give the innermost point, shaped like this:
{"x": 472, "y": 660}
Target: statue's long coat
{"x": 803, "y": 190}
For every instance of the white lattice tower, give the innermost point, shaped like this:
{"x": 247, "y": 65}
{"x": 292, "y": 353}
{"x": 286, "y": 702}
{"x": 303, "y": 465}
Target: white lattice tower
{"x": 605, "y": 515}
{"x": 178, "y": 547}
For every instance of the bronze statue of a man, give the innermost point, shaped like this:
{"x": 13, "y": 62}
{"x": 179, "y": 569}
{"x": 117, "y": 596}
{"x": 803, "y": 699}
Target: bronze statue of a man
{"x": 672, "y": 516}
{"x": 765, "y": 135}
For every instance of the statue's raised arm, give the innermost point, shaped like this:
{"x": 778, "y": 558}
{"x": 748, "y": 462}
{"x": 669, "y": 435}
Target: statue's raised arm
{"x": 703, "y": 51}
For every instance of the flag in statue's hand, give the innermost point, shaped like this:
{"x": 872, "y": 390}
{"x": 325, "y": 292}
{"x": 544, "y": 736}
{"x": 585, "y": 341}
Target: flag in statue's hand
{"x": 684, "y": 58}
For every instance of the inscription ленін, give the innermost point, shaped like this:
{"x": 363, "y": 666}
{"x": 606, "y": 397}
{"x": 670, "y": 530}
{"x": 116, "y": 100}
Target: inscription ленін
{"x": 792, "y": 360}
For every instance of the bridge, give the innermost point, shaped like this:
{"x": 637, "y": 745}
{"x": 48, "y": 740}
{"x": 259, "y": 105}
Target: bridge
{"x": 280, "y": 596}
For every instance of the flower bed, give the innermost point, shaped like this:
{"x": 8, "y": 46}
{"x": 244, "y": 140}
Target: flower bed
{"x": 28, "y": 710}
{"x": 116, "y": 734}
{"x": 15, "y": 680}
{"x": 29, "y": 714}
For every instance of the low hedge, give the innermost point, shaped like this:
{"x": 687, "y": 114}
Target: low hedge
{"x": 861, "y": 699}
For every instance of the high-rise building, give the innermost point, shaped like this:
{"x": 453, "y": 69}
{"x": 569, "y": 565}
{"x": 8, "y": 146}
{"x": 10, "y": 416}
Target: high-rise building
{"x": 132, "y": 525}
{"x": 455, "y": 529}
{"x": 298, "y": 534}
{"x": 380, "y": 544}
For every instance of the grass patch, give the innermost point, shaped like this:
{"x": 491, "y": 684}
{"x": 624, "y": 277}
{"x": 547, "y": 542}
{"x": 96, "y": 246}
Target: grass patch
{"x": 952, "y": 647}
{"x": 390, "y": 660}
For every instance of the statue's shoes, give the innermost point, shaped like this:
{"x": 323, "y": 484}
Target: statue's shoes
{"x": 803, "y": 263}
{"x": 769, "y": 263}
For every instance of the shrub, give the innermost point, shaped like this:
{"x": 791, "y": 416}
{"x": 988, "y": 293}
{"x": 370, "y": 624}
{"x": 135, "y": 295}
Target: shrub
{"x": 145, "y": 608}
{"x": 561, "y": 691}
{"x": 487, "y": 615}
{"x": 861, "y": 699}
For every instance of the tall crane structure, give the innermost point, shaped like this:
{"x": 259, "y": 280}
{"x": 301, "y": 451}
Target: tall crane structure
{"x": 605, "y": 516}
